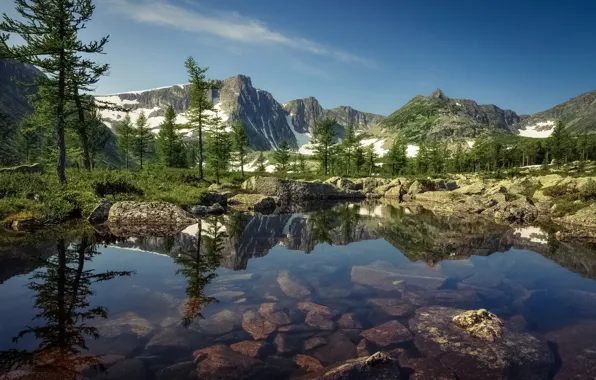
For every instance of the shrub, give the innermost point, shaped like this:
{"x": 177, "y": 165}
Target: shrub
{"x": 558, "y": 191}
{"x": 116, "y": 187}
{"x": 588, "y": 191}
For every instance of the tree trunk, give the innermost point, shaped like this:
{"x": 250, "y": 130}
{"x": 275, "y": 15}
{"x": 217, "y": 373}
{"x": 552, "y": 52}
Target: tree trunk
{"x": 201, "y": 175}
{"x": 82, "y": 130}
{"x": 242, "y": 164}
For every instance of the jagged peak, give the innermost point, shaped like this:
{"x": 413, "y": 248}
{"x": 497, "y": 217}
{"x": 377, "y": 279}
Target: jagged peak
{"x": 438, "y": 94}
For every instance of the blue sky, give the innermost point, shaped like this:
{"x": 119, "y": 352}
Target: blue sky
{"x": 372, "y": 55}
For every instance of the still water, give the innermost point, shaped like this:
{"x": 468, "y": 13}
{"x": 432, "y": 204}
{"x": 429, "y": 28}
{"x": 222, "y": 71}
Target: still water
{"x": 137, "y": 303}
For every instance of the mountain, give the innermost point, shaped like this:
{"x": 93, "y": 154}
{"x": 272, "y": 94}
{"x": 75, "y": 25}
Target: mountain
{"x": 440, "y": 117}
{"x": 578, "y": 115}
{"x": 267, "y": 122}
{"x": 13, "y": 96}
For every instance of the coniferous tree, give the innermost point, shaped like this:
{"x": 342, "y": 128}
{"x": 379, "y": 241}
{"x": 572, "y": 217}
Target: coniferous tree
{"x": 169, "y": 142}
{"x": 143, "y": 139}
{"x": 359, "y": 159}
{"x": 200, "y": 113}
{"x": 396, "y": 157}
{"x": 261, "y": 163}
{"x": 370, "y": 160}
{"x": 125, "y": 136}
{"x": 240, "y": 144}
{"x": 422, "y": 159}
{"x": 97, "y": 134}
{"x": 302, "y": 163}
{"x": 31, "y": 139}
{"x": 282, "y": 156}
{"x": 50, "y": 33}
{"x": 323, "y": 135}
{"x": 219, "y": 149}
{"x": 349, "y": 144}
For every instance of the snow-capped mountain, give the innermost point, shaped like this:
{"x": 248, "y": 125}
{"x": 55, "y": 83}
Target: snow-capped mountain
{"x": 266, "y": 121}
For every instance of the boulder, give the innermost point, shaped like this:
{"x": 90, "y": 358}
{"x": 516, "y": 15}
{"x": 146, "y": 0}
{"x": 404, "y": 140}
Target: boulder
{"x": 314, "y": 342}
{"x": 290, "y": 190}
{"x": 379, "y": 366}
{"x": 575, "y": 345}
{"x": 256, "y": 202}
{"x": 370, "y": 183}
{"x": 200, "y": 210}
{"x": 127, "y": 369}
{"x": 480, "y": 323}
{"x": 584, "y": 218}
{"x": 221, "y": 362}
{"x": 149, "y": 213}
{"x": 33, "y": 168}
{"x": 339, "y": 348}
{"x": 387, "y": 334}
{"x": 257, "y": 325}
{"x": 308, "y": 363}
{"x": 319, "y": 316}
{"x": 211, "y": 197}
{"x": 425, "y": 369}
{"x": 521, "y": 210}
{"x": 27, "y": 224}
{"x": 476, "y": 188}
{"x": 513, "y": 355}
{"x": 393, "y": 306}
{"x": 173, "y": 339}
{"x": 291, "y": 286}
{"x": 254, "y": 349}
{"x": 101, "y": 212}
{"x": 384, "y": 188}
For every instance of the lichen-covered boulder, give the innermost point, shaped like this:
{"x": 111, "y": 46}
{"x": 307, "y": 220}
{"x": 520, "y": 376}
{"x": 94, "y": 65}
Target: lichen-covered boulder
{"x": 290, "y": 190}
{"x": 480, "y": 323}
{"x": 513, "y": 355}
{"x": 259, "y": 203}
{"x": 379, "y": 366}
{"x": 521, "y": 210}
{"x": 149, "y": 213}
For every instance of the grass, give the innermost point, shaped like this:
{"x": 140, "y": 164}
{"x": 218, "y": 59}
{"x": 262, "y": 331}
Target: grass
{"x": 41, "y": 196}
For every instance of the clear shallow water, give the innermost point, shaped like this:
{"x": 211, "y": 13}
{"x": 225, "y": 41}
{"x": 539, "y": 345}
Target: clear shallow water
{"x": 147, "y": 302}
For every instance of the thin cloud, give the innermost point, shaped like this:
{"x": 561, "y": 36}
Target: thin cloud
{"x": 230, "y": 26}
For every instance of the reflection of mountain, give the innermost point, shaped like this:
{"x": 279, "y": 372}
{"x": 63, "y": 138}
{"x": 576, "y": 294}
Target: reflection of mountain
{"x": 418, "y": 235}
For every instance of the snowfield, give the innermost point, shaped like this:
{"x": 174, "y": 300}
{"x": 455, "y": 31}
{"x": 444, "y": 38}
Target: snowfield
{"x": 378, "y": 146}
{"x": 412, "y": 150}
{"x": 530, "y": 130}
{"x": 301, "y": 138}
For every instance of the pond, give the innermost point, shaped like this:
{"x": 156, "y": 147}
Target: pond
{"x": 278, "y": 296}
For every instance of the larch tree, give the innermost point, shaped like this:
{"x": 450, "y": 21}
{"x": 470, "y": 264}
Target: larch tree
{"x": 125, "y": 135}
{"x": 396, "y": 158}
{"x": 169, "y": 142}
{"x": 49, "y": 30}
{"x": 282, "y": 156}
{"x": 143, "y": 139}
{"x": 323, "y": 135}
{"x": 201, "y": 111}
{"x": 219, "y": 149}
{"x": 240, "y": 144}
{"x": 261, "y": 163}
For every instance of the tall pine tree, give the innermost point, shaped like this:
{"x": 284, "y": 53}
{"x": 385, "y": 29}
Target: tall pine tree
{"x": 125, "y": 136}
{"x": 143, "y": 139}
{"x": 323, "y": 135}
{"x": 240, "y": 143}
{"x": 49, "y": 29}
{"x": 282, "y": 156}
{"x": 219, "y": 149}
{"x": 168, "y": 142}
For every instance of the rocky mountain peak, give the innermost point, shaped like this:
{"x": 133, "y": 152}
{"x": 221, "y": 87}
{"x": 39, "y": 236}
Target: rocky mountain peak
{"x": 438, "y": 94}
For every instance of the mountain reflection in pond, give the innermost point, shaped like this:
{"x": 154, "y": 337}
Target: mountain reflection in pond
{"x": 252, "y": 295}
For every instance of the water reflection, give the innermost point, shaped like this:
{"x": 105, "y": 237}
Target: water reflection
{"x": 199, "y": 265}
{"x": 61, "y": 292}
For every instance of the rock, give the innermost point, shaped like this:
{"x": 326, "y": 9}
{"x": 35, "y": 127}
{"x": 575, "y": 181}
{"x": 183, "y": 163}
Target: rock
{"x": 363, "y": 348}
{"x": 308, "y": 363}
{"x": 287, "y": 344}
{"x": 256, "y": 325}
{"x": 149, "y": 213}
{"x": 257, "y": 202}
{"x": 416, "y": 188}
{"x": 101, "y": 212}
{"x": 219, "y": 323}
{"x": 200, "y": 210}
{"x": 33, "y": 168}
{"x": 27, "y": 225}
{"x": 376, "y": 277}
{"x": 126, "y": 323}
{"x": 582, "y": 219}
{"x": 127, "y": 369}
{"x": 319, "y": 316}
{"x": 425, "y": 369}
{"x": 387, "y": 334}
{"x": 521, "y": 210}
{"x": 387, "y": 278}
{"x": 211, "y": 198}
{"x": 266, "y": 205}
{"x": 498, "y": 189}
{"x": 513, "y": 355}
{"x": 314, "y": 342}
{"x": 222, "y": 363}
{"x": 370, "y": 183}
{"x": 178, "y": 371}
{"x": 290, "y": 190}
{"x": 393, "y": 307}
{"x": 480, "y": 323}
{"x": 384, "y": 188}
{"x": 254, "y": 349}
{"x": 349, "y": 321}
{"x": 477, "y": 188}
{"x": 273, "y": 313}
{"x": 339, "y": 348}
{"x": 174, "y": 339}
{"x": 575, "y": 344}
{"x": 291, "y": 286}
{"x": 379, "y": 366}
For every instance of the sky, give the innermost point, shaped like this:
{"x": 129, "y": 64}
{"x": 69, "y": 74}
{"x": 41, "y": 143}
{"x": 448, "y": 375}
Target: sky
{"x": 374, "y": 55}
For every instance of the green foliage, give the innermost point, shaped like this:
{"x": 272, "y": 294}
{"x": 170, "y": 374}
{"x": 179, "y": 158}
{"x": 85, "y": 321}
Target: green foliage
{"x": 282, "y": 157}
{"x": 125, "y": 135}
{"x": 323, "y": 135}
{"x": 169, "y": 143}
{"x": 115, "y": 187}
{"x": 143, "y": 139}
{"x": 261, "y": 163}
{"x": 219, "y": 149}
{"x": 240, "y": 144}
{"x": 588, "y": 190}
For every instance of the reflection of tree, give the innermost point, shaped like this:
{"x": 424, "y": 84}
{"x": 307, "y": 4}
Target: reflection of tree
{"x": 199, "y": 265}
{"x": 320, "y": 226}
{"x": 349, "y": 217}
{"x": 62, "y": 289}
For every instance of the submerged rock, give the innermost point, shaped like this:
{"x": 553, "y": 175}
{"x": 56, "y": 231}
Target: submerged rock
{"x": 254, "y": 349}
{"x": 379, "y": 366}
{"x": 308, "y": 363}
{"x": 292, "y": 286}
{"x": 388, "y": 334}
{"x": 514, "y": 355}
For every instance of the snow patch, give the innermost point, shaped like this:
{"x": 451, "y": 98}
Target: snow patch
{"x": 115, "y": 99}
{"x": 470, "y": 144}
{"x": 457, "y": 104}
{"x": 412, "y": 150}
{"x": 301, "y": 138}
{"x": 378, "y": 146}
{"x": 531, "y": 130}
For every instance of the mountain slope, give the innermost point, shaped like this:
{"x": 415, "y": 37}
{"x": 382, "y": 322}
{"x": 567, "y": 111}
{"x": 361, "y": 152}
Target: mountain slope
{"x": 439, "y": 117}
{"x": 578, "y": 114}
{"x": 13, "y": 95}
